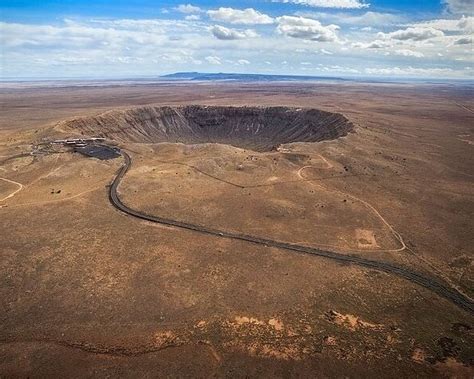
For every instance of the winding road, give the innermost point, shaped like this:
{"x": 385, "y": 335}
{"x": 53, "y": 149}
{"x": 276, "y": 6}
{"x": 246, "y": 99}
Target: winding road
{"x": 427, "y": 282}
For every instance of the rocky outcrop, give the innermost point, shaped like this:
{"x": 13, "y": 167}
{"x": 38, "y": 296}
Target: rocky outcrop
{"x": 257, "y": 128}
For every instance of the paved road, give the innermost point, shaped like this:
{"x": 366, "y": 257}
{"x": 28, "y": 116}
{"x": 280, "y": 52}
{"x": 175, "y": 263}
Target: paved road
{"x": 432, "y": 284}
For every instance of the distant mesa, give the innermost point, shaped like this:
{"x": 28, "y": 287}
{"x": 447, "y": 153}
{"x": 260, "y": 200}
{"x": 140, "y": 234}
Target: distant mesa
{"x": 255, "y": 128}
{"x": 201, "y": 76}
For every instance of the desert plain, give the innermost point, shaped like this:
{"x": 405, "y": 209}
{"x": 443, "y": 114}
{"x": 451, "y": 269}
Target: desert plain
{"x": 89, "y": 291}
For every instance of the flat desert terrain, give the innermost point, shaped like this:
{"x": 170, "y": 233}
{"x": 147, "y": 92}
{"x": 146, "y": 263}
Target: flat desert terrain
{"x": 385, "y": 175}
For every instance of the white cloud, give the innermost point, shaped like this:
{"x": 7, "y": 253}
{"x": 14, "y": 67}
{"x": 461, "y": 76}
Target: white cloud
{"x": 212, "y": 59}
{"x": 339, "y": 69}
{"x": 409, "y": 53}
{"x": 366, "y": 19}
{"x": 126, "y": 46}
{"x": 460, "y": 6}
{"x": 373, "y": 19}
{"x": 465, "y": 24}
{"x": 243, "y": 62}
{"x": 411, "y": 71}
{"x": 81, "y": 36}
{"x": 223, "y": 33}
{"x": 371, "y": 45}
{"x": 192, "y": 17}
{"x": 414, "y": 34}
{"x": 352, "y": 4}
{"x": 188, "y": 9}
{"x": 466, "y": 40}
{"x": 237, "y": 16}
{"x": 306, "y": 28}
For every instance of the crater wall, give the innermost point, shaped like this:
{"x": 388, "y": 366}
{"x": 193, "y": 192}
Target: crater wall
{"x": 256, "y": 128}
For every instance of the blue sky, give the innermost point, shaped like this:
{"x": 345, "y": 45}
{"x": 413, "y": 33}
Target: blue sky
{"x": 104, "y": 38}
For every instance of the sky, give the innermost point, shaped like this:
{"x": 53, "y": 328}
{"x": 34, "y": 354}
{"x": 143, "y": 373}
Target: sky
{"x": 344, "y": 38}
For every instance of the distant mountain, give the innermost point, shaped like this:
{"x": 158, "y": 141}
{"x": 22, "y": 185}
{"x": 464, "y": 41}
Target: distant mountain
{"x": 182, "y": 75}
{"x": 243, "y": 77}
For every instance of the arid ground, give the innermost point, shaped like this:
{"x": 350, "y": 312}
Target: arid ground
{"x": 88, "y": 291}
